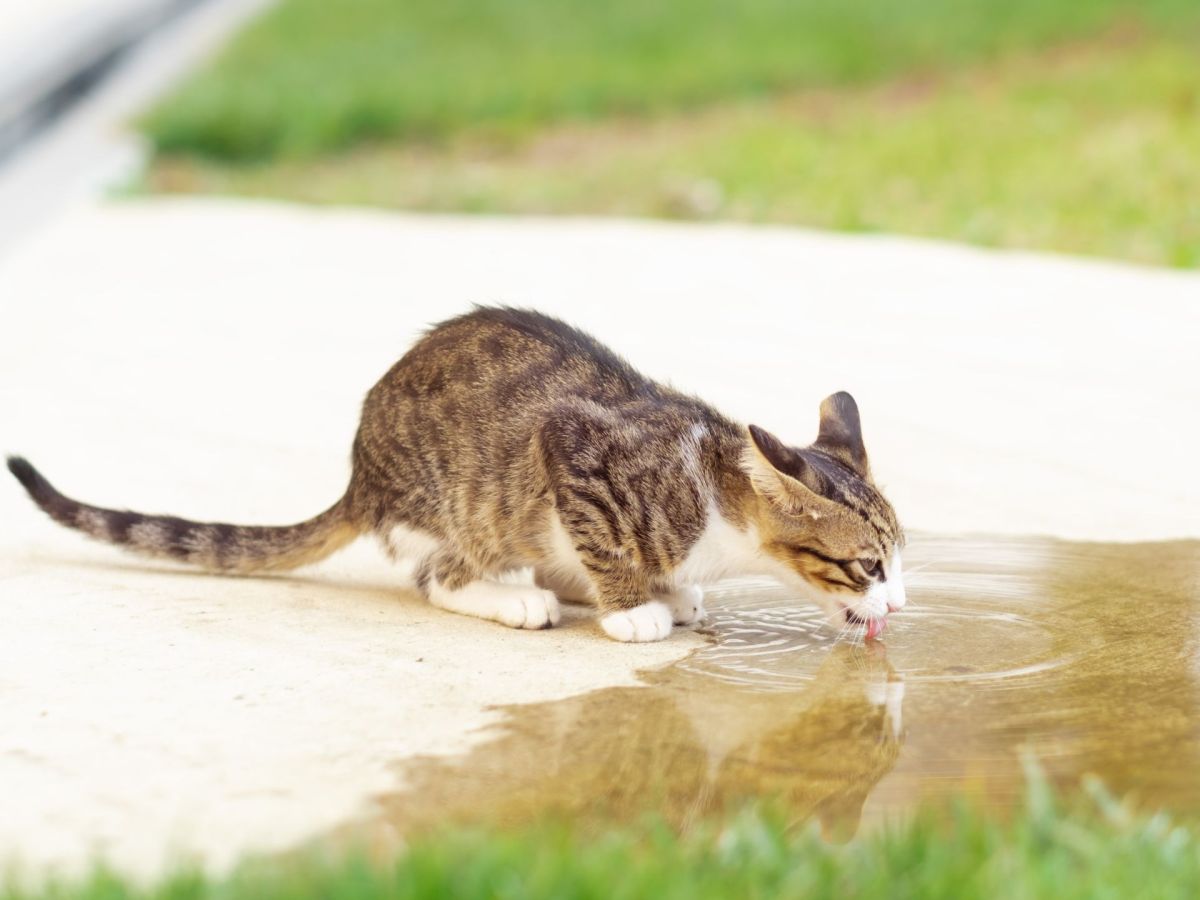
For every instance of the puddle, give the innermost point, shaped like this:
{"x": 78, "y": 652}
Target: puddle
{"x": 1086, "y": 654}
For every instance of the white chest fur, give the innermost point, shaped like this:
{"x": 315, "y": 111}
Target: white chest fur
{"x": 722, "y": 551}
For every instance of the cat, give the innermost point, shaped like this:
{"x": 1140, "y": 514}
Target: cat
{"x": 506, "y": 439}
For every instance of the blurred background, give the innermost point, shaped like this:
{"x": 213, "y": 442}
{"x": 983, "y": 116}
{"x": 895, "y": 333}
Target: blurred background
{"x": 1062, "y": 125}
{"x": 222, "y": 220}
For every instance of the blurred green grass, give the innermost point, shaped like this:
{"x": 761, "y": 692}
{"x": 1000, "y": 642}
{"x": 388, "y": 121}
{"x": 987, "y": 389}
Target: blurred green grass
{"x": 1068, "y": 125}
{"x": 1091, "y": 150}
{"x": 312, "y": 76}
{"x": 1101, "y": 852}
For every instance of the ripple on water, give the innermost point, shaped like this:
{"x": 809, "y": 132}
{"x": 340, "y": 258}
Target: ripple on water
{"x": 768, "y": 640}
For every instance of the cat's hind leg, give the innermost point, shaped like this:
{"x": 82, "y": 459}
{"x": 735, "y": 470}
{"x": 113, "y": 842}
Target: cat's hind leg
{"x": 514, "y": 605}
{"x": 450, "y": 584}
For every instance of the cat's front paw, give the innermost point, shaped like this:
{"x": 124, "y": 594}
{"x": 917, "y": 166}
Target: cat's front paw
{"x": 648, "y": 622}
{"x": 686, "y": 604}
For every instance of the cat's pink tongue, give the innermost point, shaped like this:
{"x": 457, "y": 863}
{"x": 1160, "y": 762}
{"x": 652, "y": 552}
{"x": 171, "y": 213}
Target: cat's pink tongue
{"x": 875, "y": 627}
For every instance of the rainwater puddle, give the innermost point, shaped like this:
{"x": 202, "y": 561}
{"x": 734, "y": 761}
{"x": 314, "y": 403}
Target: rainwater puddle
{"x": 1088, "y": 655}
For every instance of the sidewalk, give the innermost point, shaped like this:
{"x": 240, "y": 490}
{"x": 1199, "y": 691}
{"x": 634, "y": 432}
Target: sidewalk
{"x": 208, "y": 359}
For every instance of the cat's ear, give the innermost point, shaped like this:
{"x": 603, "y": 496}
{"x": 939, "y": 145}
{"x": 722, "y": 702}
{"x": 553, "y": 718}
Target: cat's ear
{"x": 841, "y": 433}
{"x": 781, "y": 475}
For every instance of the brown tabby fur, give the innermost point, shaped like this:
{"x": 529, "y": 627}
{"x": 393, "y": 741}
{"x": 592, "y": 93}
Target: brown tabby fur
{"x": 499, "y": 420}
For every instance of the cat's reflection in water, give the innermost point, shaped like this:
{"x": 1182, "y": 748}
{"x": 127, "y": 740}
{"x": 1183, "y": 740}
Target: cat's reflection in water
{"x": 816, "y": 752}
{"x": 685, "y": 746}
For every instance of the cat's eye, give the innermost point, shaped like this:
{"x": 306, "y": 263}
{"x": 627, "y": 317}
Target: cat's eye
{"x": 872, "y": 567}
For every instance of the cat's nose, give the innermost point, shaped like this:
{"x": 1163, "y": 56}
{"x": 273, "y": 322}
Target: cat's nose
{"x": 895, "y": 607}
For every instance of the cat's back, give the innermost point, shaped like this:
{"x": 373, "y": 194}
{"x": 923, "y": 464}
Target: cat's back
{"x": 501, "y": 355}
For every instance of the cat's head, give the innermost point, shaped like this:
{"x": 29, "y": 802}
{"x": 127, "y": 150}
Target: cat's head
{"x": 824, "y": 523}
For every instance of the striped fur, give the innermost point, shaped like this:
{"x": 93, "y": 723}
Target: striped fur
{"x": 506, "y": 439}
{"x": 234, "y": 549}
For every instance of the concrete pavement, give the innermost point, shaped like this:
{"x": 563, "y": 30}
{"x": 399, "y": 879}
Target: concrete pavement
{"x": 207, "y": 359}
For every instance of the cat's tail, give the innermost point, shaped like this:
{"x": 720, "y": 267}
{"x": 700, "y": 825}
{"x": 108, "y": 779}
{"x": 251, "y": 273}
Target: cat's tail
{"x": 237, "y": 549}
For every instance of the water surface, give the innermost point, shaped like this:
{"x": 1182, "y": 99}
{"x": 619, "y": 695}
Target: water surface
{"x": 1086, "y": 655}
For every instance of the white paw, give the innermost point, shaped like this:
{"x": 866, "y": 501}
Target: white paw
{"x": 686, "y": 604}
{"x": 528, "y": 608}
{"x": 648, "y": 622}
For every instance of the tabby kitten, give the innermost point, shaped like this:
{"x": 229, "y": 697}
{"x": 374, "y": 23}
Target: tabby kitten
{"x": 506, "y": 439}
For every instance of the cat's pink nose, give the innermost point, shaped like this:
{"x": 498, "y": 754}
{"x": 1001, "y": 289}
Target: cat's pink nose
{"x": 895, "y": 607}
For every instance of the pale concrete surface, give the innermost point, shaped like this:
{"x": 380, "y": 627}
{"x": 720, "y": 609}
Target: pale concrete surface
{"x": 208, "y": 359}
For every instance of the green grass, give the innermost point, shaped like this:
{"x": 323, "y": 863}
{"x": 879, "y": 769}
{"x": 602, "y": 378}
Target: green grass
{"x": 1104, "y": 852}
{"x": 313, "y": 76}
{"x": 1068, "y": 125}
{"x": 1091, "y": 149}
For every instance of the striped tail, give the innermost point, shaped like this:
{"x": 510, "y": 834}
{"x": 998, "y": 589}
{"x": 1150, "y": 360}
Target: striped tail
{"x": 237, "y": 549}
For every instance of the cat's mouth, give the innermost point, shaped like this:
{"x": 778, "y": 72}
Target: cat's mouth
{"x": 875, "y": 624}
